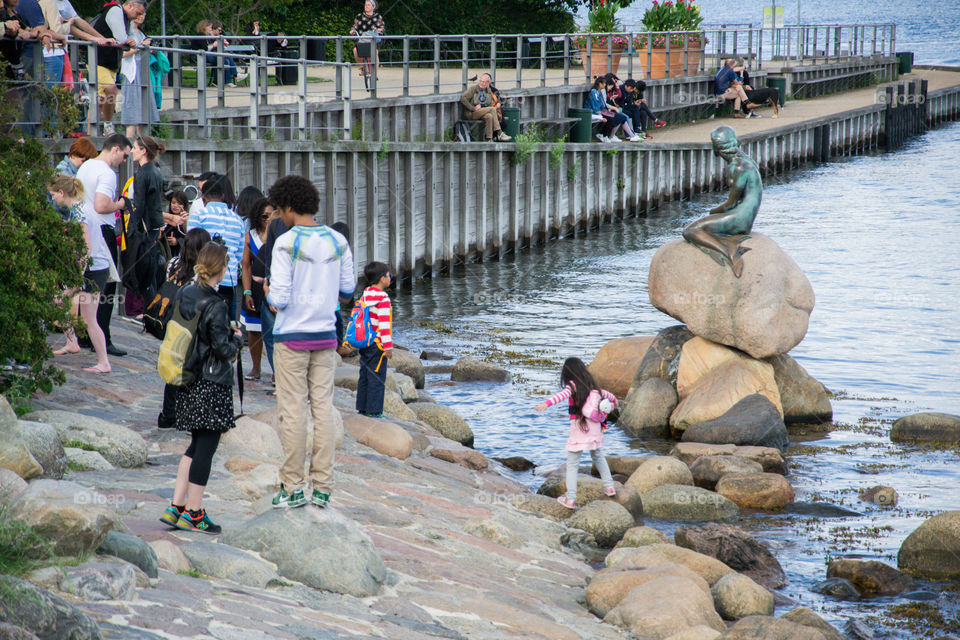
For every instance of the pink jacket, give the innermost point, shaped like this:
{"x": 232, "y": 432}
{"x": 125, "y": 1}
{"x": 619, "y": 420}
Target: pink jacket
{"x": 579, "y": 439}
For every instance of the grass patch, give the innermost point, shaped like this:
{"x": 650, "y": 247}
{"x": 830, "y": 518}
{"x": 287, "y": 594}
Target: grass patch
{"x": 21, "y": 548}
{"x": 193, "y": 573}
{"x": 76, "y": 444}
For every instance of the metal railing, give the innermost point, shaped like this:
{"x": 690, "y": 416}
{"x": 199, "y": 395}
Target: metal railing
{"x": 822, "y": 43}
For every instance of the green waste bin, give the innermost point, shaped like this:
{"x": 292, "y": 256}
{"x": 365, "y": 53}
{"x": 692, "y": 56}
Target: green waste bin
{"x": 780, "y": 84}
{"x": 581, "y": 129}
{"x": 905, "y": 58}
{"x": 511, "y": 121}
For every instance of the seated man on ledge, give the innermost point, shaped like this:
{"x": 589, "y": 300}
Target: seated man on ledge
{"x": 478, "y": 104}
{"x": 728, "y": 87}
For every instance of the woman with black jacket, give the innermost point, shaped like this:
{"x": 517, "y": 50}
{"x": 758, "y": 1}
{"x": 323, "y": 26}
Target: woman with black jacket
{"x": 205, "y": 407}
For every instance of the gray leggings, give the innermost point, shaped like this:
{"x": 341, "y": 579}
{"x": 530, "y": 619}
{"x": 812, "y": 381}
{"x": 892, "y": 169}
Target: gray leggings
{"x": 573, "y": 469}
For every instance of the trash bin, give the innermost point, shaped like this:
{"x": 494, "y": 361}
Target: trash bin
{"x": 905, "y": 58}
{"x": 287, "y": 71}
{"x": 581, "y": 129}
{"x": 511, "y": 121}
{"x": 316, "y": 50}
{"x": 780, "y": 84}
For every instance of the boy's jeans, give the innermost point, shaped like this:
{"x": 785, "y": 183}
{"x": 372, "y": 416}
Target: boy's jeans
{"x": 573, "y": 469}
{"x": 372, "y": 382}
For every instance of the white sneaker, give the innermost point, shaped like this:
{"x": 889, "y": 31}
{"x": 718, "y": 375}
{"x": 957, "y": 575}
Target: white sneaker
{"x": 241, "y": 77}
{"x": 616, "y": 139}
{"x": 232, "y": 85}
{"x": 601, "y": 137}
{"x": 108, "y": 129}
{"x": 635, "y": 138}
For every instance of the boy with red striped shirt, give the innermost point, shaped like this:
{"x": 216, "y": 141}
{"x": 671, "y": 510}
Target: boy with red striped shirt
{"x": 373, "y": 370}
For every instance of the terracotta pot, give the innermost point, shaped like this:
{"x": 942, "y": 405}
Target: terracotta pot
{"x": 599, "y": 56}
{"x": 658, "y": 61}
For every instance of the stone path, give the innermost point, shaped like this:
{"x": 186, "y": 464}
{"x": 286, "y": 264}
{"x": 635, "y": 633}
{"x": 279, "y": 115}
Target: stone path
{"x": 442, "y": 582}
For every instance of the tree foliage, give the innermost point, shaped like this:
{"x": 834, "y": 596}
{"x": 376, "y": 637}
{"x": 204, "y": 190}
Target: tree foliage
{"x": 39, "y": 255}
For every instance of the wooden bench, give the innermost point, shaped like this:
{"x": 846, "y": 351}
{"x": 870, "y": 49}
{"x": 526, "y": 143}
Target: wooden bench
{"x": 831, "y": 84}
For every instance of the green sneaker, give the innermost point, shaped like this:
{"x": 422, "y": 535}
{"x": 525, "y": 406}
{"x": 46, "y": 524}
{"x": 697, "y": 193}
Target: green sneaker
{"x": 170, "y": 516}
{"x": 201, "y": 523}
{"x": 282, "y": 499}
{"x": 320, "y": 499}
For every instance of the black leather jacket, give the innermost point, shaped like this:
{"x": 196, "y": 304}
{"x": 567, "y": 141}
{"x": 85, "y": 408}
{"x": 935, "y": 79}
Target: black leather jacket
{"x": 214, "y": 357}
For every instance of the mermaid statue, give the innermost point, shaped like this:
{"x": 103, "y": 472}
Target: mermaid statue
{"x": 721, "y": 233}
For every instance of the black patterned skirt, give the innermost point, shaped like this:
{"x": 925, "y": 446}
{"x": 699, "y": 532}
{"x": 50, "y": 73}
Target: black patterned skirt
{"x": 205, "y": 405}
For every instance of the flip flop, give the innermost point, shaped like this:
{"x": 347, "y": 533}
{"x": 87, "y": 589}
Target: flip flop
{"x": 250, "y": 377}
{"x": 94, "y": 370}
{"x": 64, "y": 351}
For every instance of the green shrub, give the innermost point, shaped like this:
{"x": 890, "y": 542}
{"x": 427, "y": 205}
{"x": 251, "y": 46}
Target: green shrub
{"x": 21, "y": 548}
{"x": 526, "y": 145}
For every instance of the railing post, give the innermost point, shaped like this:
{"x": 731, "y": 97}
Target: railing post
{"x": 519, "y": 59}
{"x": 406, "y": 65}
{"x": 176, "y": 67}
{"x": 347, "y": 100}
{"x": 302, "y": 93}
{"x": 202, "y": 94}
{"x": 146, "y": 88}
{"x": 253, "y": 123}
{"x": 588, "y": 68}
{"x": 566, "y": 59}
{"x": 667, "y": 57}
{"x": 436, "y": 64}
{"x": 263, "y": 69}
{"x": 493, "y": 59}
{"x": 609, "y": 53}
{"x": 543, "y": 60}
{"x": 221, "y": 96}
{"x": 93, "y": 110}
{"x": 464, "y": 59}
{"x": 686, "y": 54}
{"x": 630, "y": 53}
{"x": 893, "y": 40}
{"x": 375, "y": 50}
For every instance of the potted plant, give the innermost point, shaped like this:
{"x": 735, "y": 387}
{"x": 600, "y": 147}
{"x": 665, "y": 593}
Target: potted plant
{"x": 677, "y": 23}
{"x": 607, "y": 46}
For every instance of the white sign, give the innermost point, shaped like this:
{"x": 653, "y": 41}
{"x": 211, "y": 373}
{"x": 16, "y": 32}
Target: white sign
{"x": 768, "y": 18}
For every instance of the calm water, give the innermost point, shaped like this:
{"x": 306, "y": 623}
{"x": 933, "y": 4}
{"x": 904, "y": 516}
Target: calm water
{"x": 930, "y": 29}
{"x": 876, "y": 236}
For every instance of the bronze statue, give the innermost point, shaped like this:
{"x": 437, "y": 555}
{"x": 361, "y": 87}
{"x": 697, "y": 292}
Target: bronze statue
{"x": 721, "y": 233}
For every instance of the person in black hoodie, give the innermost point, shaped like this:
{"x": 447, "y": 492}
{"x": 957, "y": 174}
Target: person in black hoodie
{"x": 205, "y": 407}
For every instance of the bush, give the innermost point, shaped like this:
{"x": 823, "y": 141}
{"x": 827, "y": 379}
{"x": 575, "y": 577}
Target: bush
{"x": 40, "y": 257}
{"x": 21, "y": 548}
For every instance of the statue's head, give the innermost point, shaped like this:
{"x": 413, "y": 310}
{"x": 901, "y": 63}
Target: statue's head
{"x": 724, "y": 141}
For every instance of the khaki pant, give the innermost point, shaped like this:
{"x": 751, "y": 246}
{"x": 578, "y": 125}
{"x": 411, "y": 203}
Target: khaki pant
{"x": 489, "y": 117}
{"x": 299, "y": 374}
{"x": 737, "y": 94}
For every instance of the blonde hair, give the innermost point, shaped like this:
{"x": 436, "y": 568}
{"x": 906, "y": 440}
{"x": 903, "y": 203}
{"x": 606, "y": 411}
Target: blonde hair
{"x": 212, "y": 261}
{"x": 71, "y": 187}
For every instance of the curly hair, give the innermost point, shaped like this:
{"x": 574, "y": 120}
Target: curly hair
{"x": 297, "y": 193}
{"x": 724, "y": 139}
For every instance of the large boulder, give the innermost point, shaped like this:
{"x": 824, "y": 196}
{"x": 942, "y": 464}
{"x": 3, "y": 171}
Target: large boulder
{"x": 617, "y": 362}
{"x": 769, "y": 491}
{"x": 605, "y": 519}
{"x": 700, "y": 356}
{"x": 769, "y": 628}
{"x": 662, "y": 357}
{"x": 96, "y": 580}
{"x": 44, "y": 445}
{"x": 933, "y": 549}
{"x": 122, "y": 447}
{"x": 699, "y": 632}
{"x": 769, "y": 458}
{"x": 44, "y": 614}
{"x": 14, "y": 454}
{"x": 659, "y": 470}
{"x": 681, "y": 502}
{"x": 763, "y": 312}
{"x": 641, "y": 537}
{"x": 735, "y": 548}
{"x": 754, "y": 420}
{"x": 12, "y": 486}
{"x": 408, "y": 364}
{"x": 473, "y": 370}
{"x": 803, "y": 398}
{"x": 590, "y": 489}
{"x": 395, "y": 407}
{"x": 609, "y": 586}
{"x": 132, "y": 549}
{"x": 83, "y": 460}
{"x": 881, "y": 495}
{"x": 927, "y": 427}
{"x": 445, "y": 420}
{"x": 659, "y": 555}
{"x": 253, "y": 436}
{"x": 319, "y": 547}
{"x": 74, "y": 518}
{"x": 624, "y": 465}
{"x": 169, "y": 556}
{"x": 463, "y": 456}
{"x": 708, "y": 470}
{"x": 540, "y": 505}
{"x": 382, "y": 436}
{"x": 663, "y": 607}
{"x": 807, "y": 618}
{"x": 228, "y": 563}
{"x": 736, "y": 596}
{"x": 646, "y": 410}
{"x": 871, "y": 576}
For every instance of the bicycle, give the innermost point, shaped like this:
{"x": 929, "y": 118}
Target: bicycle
{"x": 366, "y": 49}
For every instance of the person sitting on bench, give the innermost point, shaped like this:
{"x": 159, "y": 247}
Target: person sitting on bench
{"x": 727, "y": 86}
{"x": 478, "y": 104}
{"x": 762, "y": 96}
{"x": 634, "y": 105}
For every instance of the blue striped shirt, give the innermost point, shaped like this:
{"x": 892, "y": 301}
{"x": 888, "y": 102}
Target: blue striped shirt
{"x": 220, "y": 220}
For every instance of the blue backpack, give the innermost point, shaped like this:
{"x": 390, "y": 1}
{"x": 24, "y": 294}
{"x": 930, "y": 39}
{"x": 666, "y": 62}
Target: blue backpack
{"x": 360, "y": 332}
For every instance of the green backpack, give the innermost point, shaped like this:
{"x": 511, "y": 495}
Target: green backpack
{"x": 179, "y": 342}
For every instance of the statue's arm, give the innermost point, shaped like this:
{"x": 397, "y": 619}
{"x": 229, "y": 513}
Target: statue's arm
{"x": 732, "y": 199}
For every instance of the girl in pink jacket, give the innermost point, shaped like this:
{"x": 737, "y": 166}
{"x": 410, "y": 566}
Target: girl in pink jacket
{"x": 587, "y": 413}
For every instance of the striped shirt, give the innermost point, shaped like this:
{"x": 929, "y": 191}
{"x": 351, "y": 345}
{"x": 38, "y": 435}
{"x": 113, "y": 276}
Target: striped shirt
{"x": 381, "y": 314}
{"x": 220, "y": 220}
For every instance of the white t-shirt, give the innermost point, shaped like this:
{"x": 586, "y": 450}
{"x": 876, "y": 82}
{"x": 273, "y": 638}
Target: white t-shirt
{"x": 97, "y": 177}
{"x": 66, "y": 10}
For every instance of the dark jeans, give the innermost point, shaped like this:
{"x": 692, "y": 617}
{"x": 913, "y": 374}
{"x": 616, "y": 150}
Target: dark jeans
{"x": 267, "y": 319}
{"x": 640, "y": 115}
{"x": 168, "y": 412}
{"x": 229, "y": 295}
{"x": 229, "y": 68}
{"x": 203, "y": 445}
{"x": 610, "y": 123}
{"x": 372, "y": 381}
{"x": 109, "y": 294}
